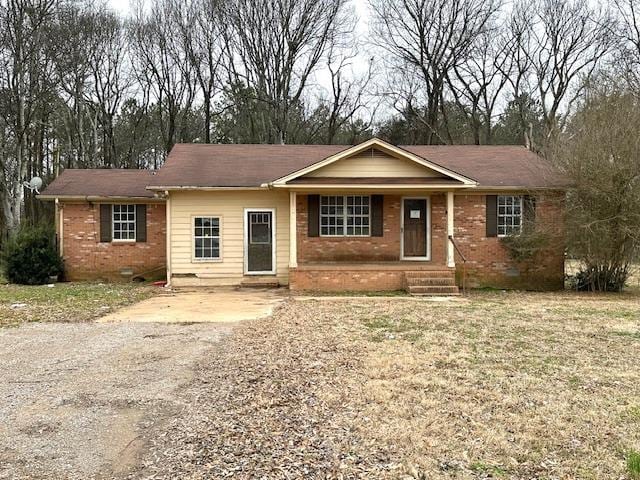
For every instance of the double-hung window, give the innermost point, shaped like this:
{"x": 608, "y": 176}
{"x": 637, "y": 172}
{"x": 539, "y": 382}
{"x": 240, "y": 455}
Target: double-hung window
{"x": 206, "y": 238}
{"x": 345, "y": 215}
{"x": 509, "y": 215}
{"x": 124, "y": 223}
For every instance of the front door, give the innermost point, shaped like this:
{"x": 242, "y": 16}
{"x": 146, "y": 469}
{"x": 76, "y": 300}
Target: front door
{"x": 414, "y": 228}
{"x": 259, "y": 241}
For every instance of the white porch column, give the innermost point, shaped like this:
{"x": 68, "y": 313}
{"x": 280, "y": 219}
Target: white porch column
{"x": 451, "y": 262}
{"x": 167, "y": 207}
{"x": 293, "y": 231}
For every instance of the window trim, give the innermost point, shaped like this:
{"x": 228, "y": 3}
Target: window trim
{"x": 503, "y": 235}
{"x": 345, "y": 217}
{"x": 113, "y": 223}
{"x": 195, "y": 259}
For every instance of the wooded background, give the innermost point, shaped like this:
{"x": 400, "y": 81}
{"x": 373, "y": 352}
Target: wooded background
{"x": 83, "y": 87}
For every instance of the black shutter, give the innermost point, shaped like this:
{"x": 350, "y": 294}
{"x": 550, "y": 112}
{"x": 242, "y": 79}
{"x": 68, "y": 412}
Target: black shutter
{"x": 492, "y": 215}
{"x": 313, "y": 215}
{"x": 105, "y": 223}
{"x": 141, "y": 223}
{"x": 377, "y": 202}
{"x": 528, "y": 210}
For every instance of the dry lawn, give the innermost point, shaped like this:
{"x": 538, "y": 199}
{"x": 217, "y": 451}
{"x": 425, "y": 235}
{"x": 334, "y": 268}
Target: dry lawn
{"x": 502, "y": 385}
{"x": 66, "y": 302}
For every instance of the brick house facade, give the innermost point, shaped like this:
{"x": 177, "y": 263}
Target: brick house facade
{"x": 86, "y": 257}
{"x": 405, "y": 218}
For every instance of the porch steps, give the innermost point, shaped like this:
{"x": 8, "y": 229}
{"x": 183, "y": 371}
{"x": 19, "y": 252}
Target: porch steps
{"x": 431, "y": 282}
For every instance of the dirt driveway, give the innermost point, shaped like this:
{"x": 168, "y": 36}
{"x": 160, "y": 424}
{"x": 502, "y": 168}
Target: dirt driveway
{"x": 80, "y": 400}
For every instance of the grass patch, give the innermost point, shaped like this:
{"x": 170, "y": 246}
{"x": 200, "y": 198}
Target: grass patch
{"x": 633, "y": 464}
{"x": 635, "y": 335}
{"x": 66, "y": 302}
{"x": 485, "y": 468}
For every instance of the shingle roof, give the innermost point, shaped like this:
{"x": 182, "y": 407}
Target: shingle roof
{"x": 202, "y": 165}
{"x": 252, "y": 165}
{"x": 101, "y": 183}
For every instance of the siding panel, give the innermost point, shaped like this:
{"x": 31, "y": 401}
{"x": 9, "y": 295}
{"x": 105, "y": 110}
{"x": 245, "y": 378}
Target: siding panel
{"x": 374, "y": 164}
{"x": 230, "y": 207}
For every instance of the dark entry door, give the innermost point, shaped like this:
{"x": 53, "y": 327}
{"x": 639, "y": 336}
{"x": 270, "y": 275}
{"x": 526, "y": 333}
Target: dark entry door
{"x": 415, "y": 227}
{"x": 259, "y": 241}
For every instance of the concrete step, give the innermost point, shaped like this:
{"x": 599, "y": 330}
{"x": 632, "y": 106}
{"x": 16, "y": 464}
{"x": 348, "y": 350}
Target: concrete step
{"x": 431, "y": 281}
{"x": 260, "y": 282}
{"x": 433, "y": 290}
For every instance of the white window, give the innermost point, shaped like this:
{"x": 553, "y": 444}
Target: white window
{"x": 124, "y": 222}
{"x": 509, "y": 215}
{"x": 206, "y": 238}
{"x": 347, "y": 215}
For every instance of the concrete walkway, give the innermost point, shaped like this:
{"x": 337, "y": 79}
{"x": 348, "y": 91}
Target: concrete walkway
{"x": 221, "y": 305}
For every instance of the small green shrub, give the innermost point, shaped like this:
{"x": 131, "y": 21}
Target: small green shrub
{"x": 526, "y": 245}
{"x": 30, "y": 257}
{"x": 633, "y": 464}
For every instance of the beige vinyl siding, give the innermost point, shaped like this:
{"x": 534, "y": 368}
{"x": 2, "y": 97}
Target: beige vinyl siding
{"x": 229, "y": 206}
{"x": 374, "y": 163}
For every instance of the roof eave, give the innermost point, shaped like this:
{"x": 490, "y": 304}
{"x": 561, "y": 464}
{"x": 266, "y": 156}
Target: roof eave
{"x": 96, "y": 198}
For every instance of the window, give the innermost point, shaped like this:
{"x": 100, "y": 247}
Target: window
{"x": 124, "y": 222}
{"x": 206, "y": 238}
{"x": 509, "y": 214}
{"x": 344, "y": 216}
{"x": 260, "y": 228}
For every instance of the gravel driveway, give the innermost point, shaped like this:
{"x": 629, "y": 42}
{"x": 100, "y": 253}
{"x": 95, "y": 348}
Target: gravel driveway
{"x": 81, "y": 400}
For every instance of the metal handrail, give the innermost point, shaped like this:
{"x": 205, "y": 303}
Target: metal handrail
{"x": 464, "y": 264}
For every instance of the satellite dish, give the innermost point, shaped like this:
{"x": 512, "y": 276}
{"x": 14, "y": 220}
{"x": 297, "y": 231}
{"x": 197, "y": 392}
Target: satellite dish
{"x": 34, "y": 184}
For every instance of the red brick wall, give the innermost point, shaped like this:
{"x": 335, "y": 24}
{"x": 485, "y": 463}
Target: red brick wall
{"x": 371, "y": 249}
{"x": 346, "y": 280}
{"x": 351, "y": 249}
{"x": 489, "y": 262}
{"x": 86, "y": 258}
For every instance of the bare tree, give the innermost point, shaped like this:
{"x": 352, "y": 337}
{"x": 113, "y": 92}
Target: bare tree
{"x": 426, "y": 40}
{"x": 478, "y": 82}
{"x": 627, "y": 57}
{"x": 22, "y": 38}
{"x": 202, "y": 25}
{"x": 278, "y": 45}
{"x": 108, "y": 57}
{"x": 349, "y": 99}
{"x": 162, "y": 68}
{"x": 570, "y": 39}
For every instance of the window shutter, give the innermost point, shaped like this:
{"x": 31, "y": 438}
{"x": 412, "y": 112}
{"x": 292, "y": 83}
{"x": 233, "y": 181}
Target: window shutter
{"x": 105, "y": 223}
{"x": 313, "y": 215}
{"x": 528, "y": 210}
{"x": 492, "y": 215}
{"x": 377, "y": 202}
{"x": 141, "y": 223}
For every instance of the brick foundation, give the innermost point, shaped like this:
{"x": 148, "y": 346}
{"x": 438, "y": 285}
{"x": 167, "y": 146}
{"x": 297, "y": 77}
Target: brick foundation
{"x": 86, "y": 258}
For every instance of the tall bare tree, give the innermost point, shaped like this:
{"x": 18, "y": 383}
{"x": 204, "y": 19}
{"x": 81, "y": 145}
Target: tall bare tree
{"x": 426, "y": 40}
{"x": 570, "y": 38}
{"x": 278, "y": 45}
{"x": 22, "y": 42}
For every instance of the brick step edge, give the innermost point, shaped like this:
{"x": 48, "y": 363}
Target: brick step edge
{"x": 430, "y": 274}
{"x": 434, "y": 290}
{"x": 435, "y": 281}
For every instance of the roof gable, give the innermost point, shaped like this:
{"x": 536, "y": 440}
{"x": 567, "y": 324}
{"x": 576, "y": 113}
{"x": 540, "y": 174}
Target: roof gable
{"x": 390, "y": 151}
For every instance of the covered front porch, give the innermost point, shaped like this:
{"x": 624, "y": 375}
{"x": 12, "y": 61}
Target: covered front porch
{"x": 403, "y": 241}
